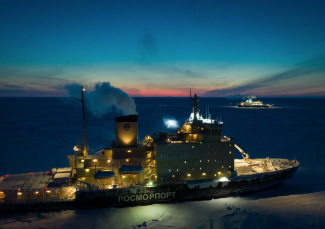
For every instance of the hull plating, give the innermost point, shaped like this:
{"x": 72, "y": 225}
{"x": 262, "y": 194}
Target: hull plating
{"x": 150, "y": 195}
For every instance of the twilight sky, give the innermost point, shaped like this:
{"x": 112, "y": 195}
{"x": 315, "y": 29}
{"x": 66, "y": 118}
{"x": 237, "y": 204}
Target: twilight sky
{"x": 163, "y": 48}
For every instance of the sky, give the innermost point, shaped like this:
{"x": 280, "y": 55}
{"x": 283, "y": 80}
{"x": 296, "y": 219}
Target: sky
{"x": 163, "y": 48}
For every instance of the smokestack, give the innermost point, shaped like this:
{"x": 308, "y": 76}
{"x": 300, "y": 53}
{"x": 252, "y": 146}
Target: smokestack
{"x": 126, "y": 131}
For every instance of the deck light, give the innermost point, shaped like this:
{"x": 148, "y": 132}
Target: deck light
{"x": 204, "y": 174}
{"x": 223, "y": 179}
{"x": 19, "y": 193}
{"x": 94, "y": 160}
{"x": 82, "y": 160}
{"x": 188, "y": 175}
{"x": 108, "y": 160}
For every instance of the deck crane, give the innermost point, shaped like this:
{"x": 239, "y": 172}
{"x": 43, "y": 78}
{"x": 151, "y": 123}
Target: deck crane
{"x": 244, "y": 155}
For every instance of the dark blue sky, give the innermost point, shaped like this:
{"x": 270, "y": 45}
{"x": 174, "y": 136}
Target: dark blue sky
{"x": 163, "y": 47}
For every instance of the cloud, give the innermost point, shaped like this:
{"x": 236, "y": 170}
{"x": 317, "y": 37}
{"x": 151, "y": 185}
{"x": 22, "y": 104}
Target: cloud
{"x": 11, "y": 86}
{"x": 147, "y": 46}
{"x": 305, "y": 69}
{"x": 189, "y": 73}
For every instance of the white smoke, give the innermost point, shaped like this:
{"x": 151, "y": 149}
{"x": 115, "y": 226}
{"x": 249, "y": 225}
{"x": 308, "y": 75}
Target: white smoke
{"x": 102, "y": 98}
{"x": 241, "y": 97}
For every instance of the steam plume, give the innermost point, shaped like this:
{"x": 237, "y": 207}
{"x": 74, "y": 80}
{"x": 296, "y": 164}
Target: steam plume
{"x": 102, "y": 98}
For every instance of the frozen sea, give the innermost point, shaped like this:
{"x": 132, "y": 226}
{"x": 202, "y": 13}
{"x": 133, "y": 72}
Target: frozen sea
{"x": 37, "y": 134}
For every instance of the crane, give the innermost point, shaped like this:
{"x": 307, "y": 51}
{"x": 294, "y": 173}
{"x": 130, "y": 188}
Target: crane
{"x": 244, "y": 155}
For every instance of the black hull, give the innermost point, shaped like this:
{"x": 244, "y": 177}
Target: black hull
{"x": 153, "y": 195}
{"x": 263, "y": 106}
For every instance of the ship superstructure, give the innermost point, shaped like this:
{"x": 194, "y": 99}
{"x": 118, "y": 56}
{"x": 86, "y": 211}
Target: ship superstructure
{"x": 251, "y": 103}
{"x": 196, "y": 151}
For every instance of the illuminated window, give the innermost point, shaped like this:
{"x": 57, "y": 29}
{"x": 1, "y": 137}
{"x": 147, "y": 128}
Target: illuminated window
{"x": 208, "y": 160}
{"x": 161, "y": 155}
{"x": 204, "y": 174}
{"x": 177, "y": 170}
{"x": 185, "y": 162}
{"x": 219, "y": 173}
{"x": 222, "y": 167}
{"x": 169, "y": 170}
{"x": 215, "y": 174}
{"x": 229, "y": 166}
{"x": 127, "y": 159}
{"x": 230, "y": 145}
{"x": 108, "y": 160}
{"x": 200, "y": 168}
{"x": 192, "y": 168}
{"x": 94, "y": 160}
{"x": 229, "y": 152}
{"x": 215, "y": 160}
{"x": 177, "y": 162}
{"x": 188, "y": 175}
{"x": 200, "y": 161}
{"x": 82, "y": 160}
{"x": 161, "y": 178}
{"x": 192, "y": 147}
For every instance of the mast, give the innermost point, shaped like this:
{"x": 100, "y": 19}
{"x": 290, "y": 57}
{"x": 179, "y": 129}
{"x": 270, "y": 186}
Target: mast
{"x": 84, "y": 122}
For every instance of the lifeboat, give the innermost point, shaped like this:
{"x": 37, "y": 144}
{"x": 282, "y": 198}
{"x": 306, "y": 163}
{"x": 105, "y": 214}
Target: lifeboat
{"x": 130, "y": 169}
{"x": 104, "y": 175}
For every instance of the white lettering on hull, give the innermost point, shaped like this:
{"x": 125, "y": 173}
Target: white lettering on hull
{"x": 151, "y": 196}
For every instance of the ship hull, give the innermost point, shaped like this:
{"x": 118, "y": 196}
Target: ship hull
{"x": 205, "y": 190}
{"x": 261, "y": 106}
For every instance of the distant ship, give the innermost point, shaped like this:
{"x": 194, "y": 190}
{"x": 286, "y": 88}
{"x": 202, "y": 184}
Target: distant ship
{"x": 194, "y": 163}
{"x": 251, "y": 103}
